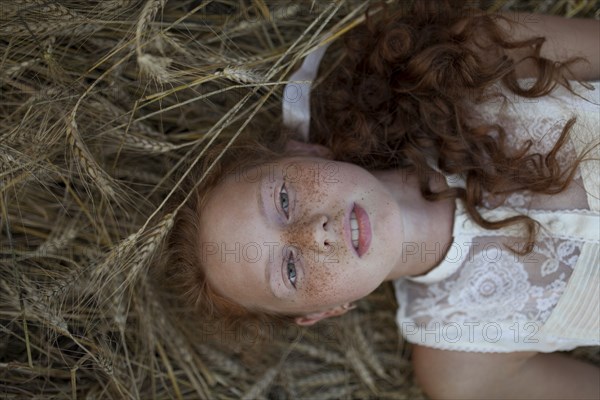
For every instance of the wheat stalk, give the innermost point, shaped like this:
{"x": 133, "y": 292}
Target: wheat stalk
{"x": 303, "y": 367}
{"x": 100, "y": 271}
{"x": 146, "y": 144}
{"x": 50, "y": 295}
{"x": 281, "y": 13}
{"x": 259, "y": 387}
{"x": 320, "y": 353}
{"x": 360, "y": 368}
{"x": 152, "y": 239}
{"x": 367, "y": 352}
{"x": 85, "y": 159}
{"x": 56, "y": 17}
{"x": 222, "y": 361}
{"x": 337, "y": 392}
{"x": 114, "y": 5}
{"x": 56, "y": 243}
{"x": 139, "y": 175}
{"x": 59, "y": 324}
{"x": 201, "y": 377}
{"x": 241, "y": 75}
{"x": 118, "y": 113}
{"x": 146, "y": 16}
{"x": 176, "y": 43}
{"x": 155, "y": 67}
{"x": 119, "y": 310}
{"x": 47, "y": 7}
{"x": 288, "y": 381}
{"x": 329, "y": 378}
{"x": 8, "y": 164}
{"x": 15, "y": 69}
{"x": 150, "y": 65}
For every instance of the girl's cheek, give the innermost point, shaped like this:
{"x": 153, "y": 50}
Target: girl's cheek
{"x": 323, "y": 280}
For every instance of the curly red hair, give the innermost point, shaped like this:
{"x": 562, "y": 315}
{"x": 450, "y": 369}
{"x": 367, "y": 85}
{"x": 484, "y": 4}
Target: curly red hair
{"x": 403, "y": 95}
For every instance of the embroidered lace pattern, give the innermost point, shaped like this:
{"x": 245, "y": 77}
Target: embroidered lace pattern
{"x": 491, "y": 299}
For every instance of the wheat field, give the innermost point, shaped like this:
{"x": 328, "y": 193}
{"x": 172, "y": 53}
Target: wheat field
{"x": 104, "y": 105}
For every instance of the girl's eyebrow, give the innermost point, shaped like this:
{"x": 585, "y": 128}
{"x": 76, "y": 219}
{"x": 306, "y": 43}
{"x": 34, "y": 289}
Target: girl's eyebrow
{"x": 259, "y": 200}
{"x": 268, "y": 267}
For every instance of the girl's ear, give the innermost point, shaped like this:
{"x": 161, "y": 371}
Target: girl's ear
{"x": 307, "y": 149}
{"x": 310, "y": 319}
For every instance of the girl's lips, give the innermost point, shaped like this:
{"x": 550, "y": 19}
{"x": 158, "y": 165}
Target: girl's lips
{"x": 364, "y": 226}
{"x": 364, "y": 229}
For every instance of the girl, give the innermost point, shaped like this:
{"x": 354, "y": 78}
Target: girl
{"x": 433, "y": 167}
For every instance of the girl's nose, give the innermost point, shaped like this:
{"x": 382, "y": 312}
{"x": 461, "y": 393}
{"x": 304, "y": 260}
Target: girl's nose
{"x": 314, "y": 234}
{"x": 323, "y": 234}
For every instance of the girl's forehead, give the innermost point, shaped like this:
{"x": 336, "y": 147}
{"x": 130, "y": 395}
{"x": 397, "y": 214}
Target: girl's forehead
{"x": 293, "y": 168}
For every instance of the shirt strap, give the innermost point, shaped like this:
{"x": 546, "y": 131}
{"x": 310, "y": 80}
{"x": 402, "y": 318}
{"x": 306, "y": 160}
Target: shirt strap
{"x": 296, "y": 93}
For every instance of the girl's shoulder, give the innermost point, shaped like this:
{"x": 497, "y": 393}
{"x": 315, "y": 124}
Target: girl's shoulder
{"x": 447, "y": 374}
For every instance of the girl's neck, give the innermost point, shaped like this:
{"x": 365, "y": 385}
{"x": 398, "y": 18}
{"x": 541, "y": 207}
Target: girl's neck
{"x": 427, "y": 224}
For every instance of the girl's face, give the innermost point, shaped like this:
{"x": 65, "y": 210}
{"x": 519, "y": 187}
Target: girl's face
{"x": 300, "y": 235}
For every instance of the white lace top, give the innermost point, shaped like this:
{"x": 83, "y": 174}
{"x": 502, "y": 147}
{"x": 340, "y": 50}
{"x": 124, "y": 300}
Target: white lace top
{"x": 482, "y": 297}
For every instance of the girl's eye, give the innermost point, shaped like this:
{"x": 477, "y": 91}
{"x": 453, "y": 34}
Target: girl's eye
{"x": 291, "y": 271}
{"x": 284, "y": 200}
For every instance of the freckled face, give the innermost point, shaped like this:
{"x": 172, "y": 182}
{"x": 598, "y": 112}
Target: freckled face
{"x": 279, "y": 237}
